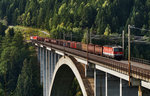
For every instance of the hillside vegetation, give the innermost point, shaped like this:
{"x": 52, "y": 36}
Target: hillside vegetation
{"x": 29, "y": 31}
{"x": 100, "y": 17}
{"x": 60, "y": 16}
{"x": 19, "y": 68}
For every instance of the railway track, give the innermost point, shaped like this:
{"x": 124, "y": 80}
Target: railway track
{"x": 138, "y": 70}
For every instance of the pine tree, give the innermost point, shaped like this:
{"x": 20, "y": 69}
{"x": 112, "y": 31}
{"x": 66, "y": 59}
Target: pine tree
{"x": 24, "y": 84}
{"x": 28, "y": 84}
{"x": 2, "y": 29}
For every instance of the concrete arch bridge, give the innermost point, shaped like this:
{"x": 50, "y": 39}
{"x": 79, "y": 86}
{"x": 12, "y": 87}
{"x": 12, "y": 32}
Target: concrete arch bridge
{"x": 97, "y": 76}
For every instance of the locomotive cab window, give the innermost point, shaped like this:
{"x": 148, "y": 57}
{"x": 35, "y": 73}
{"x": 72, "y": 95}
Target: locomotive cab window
{"x": 117, "y": 49}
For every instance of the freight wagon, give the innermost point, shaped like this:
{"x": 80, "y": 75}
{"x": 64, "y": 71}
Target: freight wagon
{"x": 111, "y": 51}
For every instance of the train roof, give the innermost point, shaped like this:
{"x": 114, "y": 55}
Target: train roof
{"x": 113, "y": 46}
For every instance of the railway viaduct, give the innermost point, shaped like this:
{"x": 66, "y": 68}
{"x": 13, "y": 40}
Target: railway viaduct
{"x": 96, "y": 75}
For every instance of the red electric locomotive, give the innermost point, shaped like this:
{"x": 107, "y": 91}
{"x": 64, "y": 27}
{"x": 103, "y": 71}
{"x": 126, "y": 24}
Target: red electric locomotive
{"x": 37, "y": 38}
{"x": 33, "y": 37}
{"x": 113, "y": 51}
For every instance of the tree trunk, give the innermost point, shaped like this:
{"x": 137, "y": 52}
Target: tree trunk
{"x": 5, "y": 91}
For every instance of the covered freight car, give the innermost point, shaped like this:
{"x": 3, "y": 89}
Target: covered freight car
{"x": 84, "y": 47}
{"x": 48, "y": 40}
{"x": 73, "y": 45}
{"x": 91, "y": 48}
{"x": 79, "y": 45}
{"x": 98, "y": 50}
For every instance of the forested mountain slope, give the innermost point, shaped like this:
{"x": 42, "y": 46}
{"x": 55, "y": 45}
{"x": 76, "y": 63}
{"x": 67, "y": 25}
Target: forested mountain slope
{"x": 76, "y": 15}
{"x": 19, "y": 68}
{"x": 101, "y": 17}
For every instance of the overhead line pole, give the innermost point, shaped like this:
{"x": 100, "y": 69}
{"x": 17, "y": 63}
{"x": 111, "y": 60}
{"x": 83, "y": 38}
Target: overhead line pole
{"x": 86, "y": 66}
{"x": 123, "y": 42}
{"x": 87, "y": 44}
{"x": 129, "y": 63}
{"x": 71, "y": 36}
{"x": 90, "y": 37}
{"x": 64, "y": 44}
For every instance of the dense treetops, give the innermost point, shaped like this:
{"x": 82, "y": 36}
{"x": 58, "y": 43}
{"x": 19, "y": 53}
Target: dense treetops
{"x": 102, "y": 17}
{"x": 19, "y": 69}
{"x": 70, "y": 14}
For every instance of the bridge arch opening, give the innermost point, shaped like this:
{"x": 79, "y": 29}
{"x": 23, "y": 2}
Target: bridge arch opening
{"x": 65, "y": 72}
{"x": 62, "y": 85}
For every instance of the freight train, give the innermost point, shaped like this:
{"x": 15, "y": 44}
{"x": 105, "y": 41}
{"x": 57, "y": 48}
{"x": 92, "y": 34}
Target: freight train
{"x": 110, "y": 51}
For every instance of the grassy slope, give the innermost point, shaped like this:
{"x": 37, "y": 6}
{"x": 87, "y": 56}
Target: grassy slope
{"x": 28, "y": 31}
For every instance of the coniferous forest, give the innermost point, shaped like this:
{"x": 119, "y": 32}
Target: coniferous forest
{"x": 18, "y": 65}
{"x": 19, "y": 69}
{"x": 75, "y": 15}
{"x": 101, "y": 17}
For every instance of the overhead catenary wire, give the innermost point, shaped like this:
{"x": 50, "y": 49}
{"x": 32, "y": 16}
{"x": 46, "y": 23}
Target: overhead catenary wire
{"x": 142, "y": 29}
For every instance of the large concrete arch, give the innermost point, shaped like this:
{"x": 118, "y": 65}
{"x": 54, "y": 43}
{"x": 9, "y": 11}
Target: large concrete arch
{"x": 65, "y": 70}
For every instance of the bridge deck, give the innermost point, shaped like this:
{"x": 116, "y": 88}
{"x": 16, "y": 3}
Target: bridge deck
{"x": 139, "y": 71}
{"x": 140, "y": 65}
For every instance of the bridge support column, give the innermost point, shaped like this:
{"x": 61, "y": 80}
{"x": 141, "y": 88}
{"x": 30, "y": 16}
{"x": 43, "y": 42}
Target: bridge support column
{"x": 39, "y": 60}
{"x": 50, "y": 67}
{"x": 39, "y": 54}
{"x": 106, "y": 84}
{"x": 44, "y": 74}
{"x": 51, "y": 63}
{"x": 99, "y": 82}
{"x": 41, "y": 65}
{"x": 120, "y": 87}
{"x": 89, "y": 70}
{"x": 55, "y": 59}
{"x": 48, "y": 72}
{"x": 113, "y": 85}
{"x": 129, "y": 90}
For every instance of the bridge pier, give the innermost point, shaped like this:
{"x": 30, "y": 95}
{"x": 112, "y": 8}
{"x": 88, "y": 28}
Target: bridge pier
{"x": 47, "y": 60}
{"x": 113, "y": 85}
{"x": 109, "y": 85}
{"x": 50, "y": 62}
{"x": 53, "y": 60}
{"x": 38, "y": 49}
{"x": 120, "y": 87}
{"x": 129, "y": 90}
{"x": 44, "y": 70}
{"x": 48, "y": 71}
{"x": 50, "y": 58}
{"x": 41, "y": 65}
{"x": 99, "y": 82}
